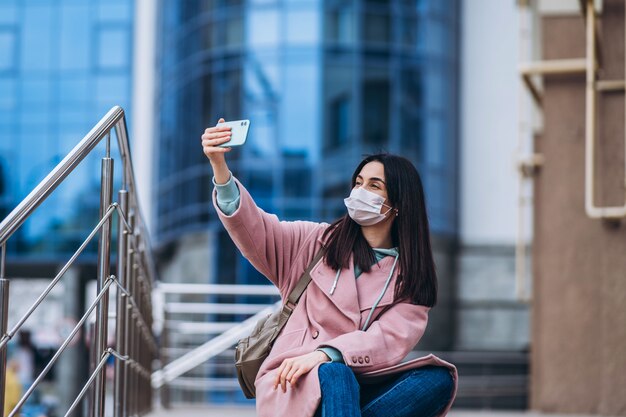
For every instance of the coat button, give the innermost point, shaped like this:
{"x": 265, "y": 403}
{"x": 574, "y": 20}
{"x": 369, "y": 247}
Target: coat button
{"x": 367, "y": 359}
{"x": 360, "y": 359}
{"x": 354, "y": 359}
{"x": 315, "y": 334}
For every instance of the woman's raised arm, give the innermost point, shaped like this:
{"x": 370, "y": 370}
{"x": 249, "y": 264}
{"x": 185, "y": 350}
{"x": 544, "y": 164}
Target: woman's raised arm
{"x": 269, "y": 244}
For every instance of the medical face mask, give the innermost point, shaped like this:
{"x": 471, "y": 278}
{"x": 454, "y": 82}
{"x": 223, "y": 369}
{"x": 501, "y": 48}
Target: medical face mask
{"x": 364, "y": 206}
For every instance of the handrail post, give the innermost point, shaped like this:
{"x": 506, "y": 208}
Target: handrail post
{"x": 4, "y": 317}
{"x": 104, "y": 258}
{"x": 130, "y": 279}
{"x": 120, "y": 328}
{"x": 165, "y": 357}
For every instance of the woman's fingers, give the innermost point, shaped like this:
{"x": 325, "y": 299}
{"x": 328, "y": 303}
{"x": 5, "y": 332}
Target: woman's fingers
{"x": 214, "y": 142}
{"x": 283, "y": 377}
{"x": 217, "y": 130}
{"x": 212, "y": 149}
{"x": 213, "y": 136}
{"x": 292, "y": 372}
{"x": 295, "y": 376}
{"x": 281, "y": 374}
{"x": 278, "y": 373}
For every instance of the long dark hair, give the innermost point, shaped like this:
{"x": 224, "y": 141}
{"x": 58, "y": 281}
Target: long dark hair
{"x": 417, "y": 278}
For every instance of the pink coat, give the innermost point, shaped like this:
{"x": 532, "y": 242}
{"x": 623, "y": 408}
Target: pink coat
{"x": 281, "y": 251}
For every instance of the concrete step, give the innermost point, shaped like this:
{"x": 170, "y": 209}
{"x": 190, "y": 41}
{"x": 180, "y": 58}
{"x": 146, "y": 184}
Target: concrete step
{"x": 230, "y": 411}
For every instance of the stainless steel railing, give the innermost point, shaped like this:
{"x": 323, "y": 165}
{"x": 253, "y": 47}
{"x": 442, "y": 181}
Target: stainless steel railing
{"x": 201, "y": 325}
{"x": 136, "y": 347}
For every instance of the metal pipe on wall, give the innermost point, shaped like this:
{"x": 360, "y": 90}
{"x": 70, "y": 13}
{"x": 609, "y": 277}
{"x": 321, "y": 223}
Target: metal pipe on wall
{"x": 591, "y": 97}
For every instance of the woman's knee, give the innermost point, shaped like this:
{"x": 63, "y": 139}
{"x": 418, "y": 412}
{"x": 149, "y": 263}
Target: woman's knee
{"x": 439, "y": 378}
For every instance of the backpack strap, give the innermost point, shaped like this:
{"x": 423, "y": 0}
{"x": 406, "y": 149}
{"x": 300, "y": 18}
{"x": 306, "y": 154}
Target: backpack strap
{"x": 303, "y": 282}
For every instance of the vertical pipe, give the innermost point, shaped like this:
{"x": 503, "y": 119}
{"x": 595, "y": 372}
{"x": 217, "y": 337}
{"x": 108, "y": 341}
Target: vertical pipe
{"x": 127, "y": 311}
{"x": 93, "y": 363}
{"x": 138, "y": 360}
{"x": 165, "y": 358}
{"x": 104, "y": 254}
{"x": 4, "y": 317}
{"x": 120, "y": 328}
{"x": 524, "y": 147}
{"x": 3, "y": 258}
{"x": 131, "y": 278}
{"x": 590, "y": 109}
{"x": 136, "y": 353}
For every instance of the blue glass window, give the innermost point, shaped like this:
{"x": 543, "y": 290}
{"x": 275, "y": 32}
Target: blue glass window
{"x": 36, "y": 90}
{"x": 7, "y": 49}
{"x": 303, "y": 27}
{"x": 37, "y": 38}
{"x": 111, "y": 90}
{"x": 114, "y": 12}
{"x": 113, "y": 48}
{"x": 376, "y": 28}
{"x": 8, "y": 13}
{"x": 375, "y": 111}
{"x": 74, "y": 37}
{"x": 263, "y": 28}
{"x": 7, "y": 94}
{"x": 340, "y": 25}
{"x": 436, "y": 148}
{"x": 74, "y": 90}
{"x": 340, "y": 121}
{"x": 299, "y": 131}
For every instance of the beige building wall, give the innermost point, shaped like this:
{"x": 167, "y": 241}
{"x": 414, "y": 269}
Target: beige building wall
{"x": 578, "y": 355}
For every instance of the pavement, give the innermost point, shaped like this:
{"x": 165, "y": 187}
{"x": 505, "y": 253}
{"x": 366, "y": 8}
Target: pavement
{"x": 230, "y": 411}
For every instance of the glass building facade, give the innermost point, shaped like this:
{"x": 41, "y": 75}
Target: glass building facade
{"x": 323, "y": 83}
{"x": 63, "y": 65}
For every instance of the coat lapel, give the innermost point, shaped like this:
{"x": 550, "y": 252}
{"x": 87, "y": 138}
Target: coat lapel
{"x": 371, "y": 284}
{"x": 345, "y": 296}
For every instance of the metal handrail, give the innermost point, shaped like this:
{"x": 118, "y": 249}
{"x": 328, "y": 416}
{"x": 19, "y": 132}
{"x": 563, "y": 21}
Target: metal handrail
{"x": 136, "y": 273}
{"x": 184, "y": 368}
{"x": 209, "y": 349}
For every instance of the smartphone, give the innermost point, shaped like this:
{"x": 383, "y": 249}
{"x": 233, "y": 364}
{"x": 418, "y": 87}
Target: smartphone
{"x": 239, "y": 133}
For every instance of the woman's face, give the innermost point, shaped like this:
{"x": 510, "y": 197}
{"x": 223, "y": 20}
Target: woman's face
{"x": 372, "y": 178}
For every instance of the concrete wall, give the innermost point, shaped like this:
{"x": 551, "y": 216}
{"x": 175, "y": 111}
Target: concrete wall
{"x": 578, "y": 359}
{"x": 488, "y": 315}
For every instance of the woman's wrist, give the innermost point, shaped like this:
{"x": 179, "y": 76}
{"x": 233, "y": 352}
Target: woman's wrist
{"x": 323, "y": 356}
{"x": 220, "y": 172}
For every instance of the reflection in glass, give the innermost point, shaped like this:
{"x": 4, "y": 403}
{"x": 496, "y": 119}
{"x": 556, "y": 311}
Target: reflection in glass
{"x": 339, "y": 122}
{"x": 113, "y": 48}
{"x": 375, "y": 111}
{"x": 7, "y": 49}
{"x": 262, "y": 28}
{"x": 340, "y": 25}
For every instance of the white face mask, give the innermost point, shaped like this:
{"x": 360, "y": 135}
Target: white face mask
{"x": 364, "y": 206}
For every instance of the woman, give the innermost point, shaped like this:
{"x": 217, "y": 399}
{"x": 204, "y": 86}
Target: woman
{"x": 367, "y": 304}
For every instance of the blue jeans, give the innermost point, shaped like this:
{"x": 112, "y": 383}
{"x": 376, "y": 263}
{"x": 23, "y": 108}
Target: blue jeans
{"x": 422, "y": 392}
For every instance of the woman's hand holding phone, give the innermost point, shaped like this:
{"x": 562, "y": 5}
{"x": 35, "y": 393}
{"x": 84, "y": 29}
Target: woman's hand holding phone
{"x": 212, "y": 137}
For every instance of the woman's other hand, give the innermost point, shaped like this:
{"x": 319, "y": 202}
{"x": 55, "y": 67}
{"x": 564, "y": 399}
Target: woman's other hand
{"x": 291, "y": 369}
{"x": 212, "y": 137}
